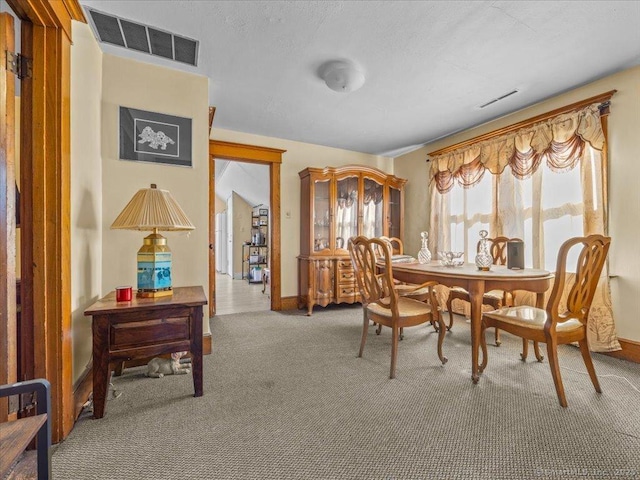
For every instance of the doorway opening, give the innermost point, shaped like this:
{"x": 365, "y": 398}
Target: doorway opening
{"x": 249, "y": 154}
{"x": 242, "y": 247}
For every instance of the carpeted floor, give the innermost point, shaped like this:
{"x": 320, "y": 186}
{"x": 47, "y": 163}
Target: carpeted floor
{"x": 287, "y": 398}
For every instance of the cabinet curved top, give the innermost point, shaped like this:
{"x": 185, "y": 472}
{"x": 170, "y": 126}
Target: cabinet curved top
{"x": 362, "y": 169}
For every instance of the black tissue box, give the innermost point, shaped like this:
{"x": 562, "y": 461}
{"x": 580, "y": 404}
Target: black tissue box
{"x": 515, "y": 254}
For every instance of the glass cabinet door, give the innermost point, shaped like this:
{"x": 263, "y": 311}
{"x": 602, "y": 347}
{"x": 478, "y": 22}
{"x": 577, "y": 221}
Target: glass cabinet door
{"x": 395, "y": 212}
{"x": 346, "y": 211}
{"x": 321, "y": 217}
{"x": 373, "y": 209}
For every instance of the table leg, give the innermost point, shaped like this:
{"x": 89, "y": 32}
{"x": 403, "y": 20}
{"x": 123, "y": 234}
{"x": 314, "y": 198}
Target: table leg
{"x": 101, "y": 370}
{"x": 476, "y": 291}
{"x": 196, "y": 351}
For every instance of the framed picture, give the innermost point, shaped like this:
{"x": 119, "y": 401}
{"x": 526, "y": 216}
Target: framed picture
{"x": 154, "y": 137}
{"x": 264, "y": 211}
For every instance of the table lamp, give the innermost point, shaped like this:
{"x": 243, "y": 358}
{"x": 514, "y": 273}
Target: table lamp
{"x": 153, "y": 209}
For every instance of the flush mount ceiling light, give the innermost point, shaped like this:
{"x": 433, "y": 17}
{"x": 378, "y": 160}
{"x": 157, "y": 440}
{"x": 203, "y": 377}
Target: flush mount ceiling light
{"x": 342, "y": 76}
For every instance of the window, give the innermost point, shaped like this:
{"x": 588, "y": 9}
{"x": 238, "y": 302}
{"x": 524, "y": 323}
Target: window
{"x": 556, "y": 196}
{"x": 540, "y": 180}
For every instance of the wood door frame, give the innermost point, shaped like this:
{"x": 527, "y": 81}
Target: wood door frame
{"x": 8, "y": 334}
{"x": 45, "y": 153}
{"x": 251, "y": 154}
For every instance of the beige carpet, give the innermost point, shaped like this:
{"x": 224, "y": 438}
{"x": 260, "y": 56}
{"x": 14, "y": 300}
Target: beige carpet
{"x": 286, "y": 398}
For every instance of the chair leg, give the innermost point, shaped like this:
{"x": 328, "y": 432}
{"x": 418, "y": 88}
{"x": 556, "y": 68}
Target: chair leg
{"x": 552, "y": 353}
{"x": 441, "y": 333}
{"x": 449, "y": 309}
{"x": 586, "y": 356}
{"x": 365, "y": 330}
{"x": 378, "y": 329}
{"x": 536, "y": 351}
{"x": 394, "y": 351}
{"x": 434, "y": 321}
{"x": 401, "y": 333}
{"x": 525, "y": 349}
{"x": 498, "y": 342}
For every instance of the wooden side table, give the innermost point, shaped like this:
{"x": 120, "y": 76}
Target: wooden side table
{"x": 142, "y": 328}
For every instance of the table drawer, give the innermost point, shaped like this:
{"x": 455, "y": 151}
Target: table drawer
{"x": 148, "y": 332}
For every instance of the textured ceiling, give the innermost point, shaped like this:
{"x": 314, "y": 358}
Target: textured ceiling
{"x": 429, "y": 65}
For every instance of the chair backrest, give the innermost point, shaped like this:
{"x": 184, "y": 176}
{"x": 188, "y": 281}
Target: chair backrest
{"x": 590, "y": 263}
{"x": 498, "y": 249}
{"x": 374, "y": 286}
{"x": 397, "y": 248}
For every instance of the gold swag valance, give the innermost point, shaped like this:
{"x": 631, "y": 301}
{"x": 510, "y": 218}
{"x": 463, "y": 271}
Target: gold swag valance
{"x": 559, "y": 141}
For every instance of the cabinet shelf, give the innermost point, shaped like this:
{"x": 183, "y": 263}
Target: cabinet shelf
{"x": 255, "y": 253}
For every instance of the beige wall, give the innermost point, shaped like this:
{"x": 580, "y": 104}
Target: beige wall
{"x": 86, "y": 189}
{"x": 241, "y": 230}
{"x": 139, "y": 85}
{"x": 624, "y": 194}
{"x": 298, "y": 156}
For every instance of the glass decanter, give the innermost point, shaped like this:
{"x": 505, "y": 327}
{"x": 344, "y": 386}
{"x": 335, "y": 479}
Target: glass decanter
{"x": 484, "y": 260}
{"x": 424, "y": 255}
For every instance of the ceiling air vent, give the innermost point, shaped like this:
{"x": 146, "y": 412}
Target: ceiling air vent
{"x": 142, "y": 38}
{"x": 498, "y": 99}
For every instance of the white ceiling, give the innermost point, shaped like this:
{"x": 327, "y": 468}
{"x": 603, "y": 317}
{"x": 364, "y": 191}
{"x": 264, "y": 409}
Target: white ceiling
{"x": 428, "y": 64}
{"x": 249, "y": 180}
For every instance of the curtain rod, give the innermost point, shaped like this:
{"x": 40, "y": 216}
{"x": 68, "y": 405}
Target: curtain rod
{"x": 604, "y": 110}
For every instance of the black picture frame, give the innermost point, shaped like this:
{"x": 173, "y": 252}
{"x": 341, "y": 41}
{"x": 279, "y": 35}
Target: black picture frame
{"x": 155, "y": 137}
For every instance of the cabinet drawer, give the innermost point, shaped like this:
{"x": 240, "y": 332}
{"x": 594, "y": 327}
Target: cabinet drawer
{"x": 148, "y": 332}
{"x": 346, "y": 276}
{"x": 345, "y": 264}
{"x": 347, "y": 291}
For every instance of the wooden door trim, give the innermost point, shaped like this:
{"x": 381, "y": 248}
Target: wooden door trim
{"x": 45, "y": 197}
{"x": 252, "y": 154}
{"x": 8, "y": 334}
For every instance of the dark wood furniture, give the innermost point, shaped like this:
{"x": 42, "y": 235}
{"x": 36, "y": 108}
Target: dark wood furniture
{"x": 16, "y": 435}
{"x": 477, "y": 283}
{"x": 144, "y": 328}
{"x": 553, "y": 325}
{"x": 381, "y": 302}
{"x": 337, "y": 203}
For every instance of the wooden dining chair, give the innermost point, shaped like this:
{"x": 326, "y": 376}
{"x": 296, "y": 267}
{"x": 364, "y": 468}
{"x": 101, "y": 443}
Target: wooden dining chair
{"x": 495, "y": 299}
{"x": 552, "y": 325}
{"x": 381, "y": 302}
{"x": 409, "y": 290}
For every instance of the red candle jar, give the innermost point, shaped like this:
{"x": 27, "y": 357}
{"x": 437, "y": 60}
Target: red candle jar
{"x": 124, "y": 294}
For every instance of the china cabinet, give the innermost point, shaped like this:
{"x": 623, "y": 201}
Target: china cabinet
{"x": 337, "y": 203}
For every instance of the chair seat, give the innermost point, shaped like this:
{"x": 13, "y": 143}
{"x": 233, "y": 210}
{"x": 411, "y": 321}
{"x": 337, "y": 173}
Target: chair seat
{"x": 494, "y": 294}
{"x": 407, "y": 307}
{"x": 531, "y": 317}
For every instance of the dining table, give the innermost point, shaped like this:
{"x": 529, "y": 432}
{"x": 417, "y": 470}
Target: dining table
{"x": 476, "y": 282}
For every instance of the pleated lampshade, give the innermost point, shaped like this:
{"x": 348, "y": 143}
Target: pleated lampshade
{"x": 153, "y": 209}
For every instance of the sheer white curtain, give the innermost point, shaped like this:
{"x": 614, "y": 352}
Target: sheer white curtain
{"x": 545, "y": 189}
{"x": 372, "y": 218}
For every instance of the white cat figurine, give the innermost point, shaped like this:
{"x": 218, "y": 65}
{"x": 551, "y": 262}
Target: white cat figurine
{"x": 159, "y": 367}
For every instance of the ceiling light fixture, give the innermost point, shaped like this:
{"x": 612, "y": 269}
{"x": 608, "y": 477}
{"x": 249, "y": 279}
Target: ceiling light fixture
{"x": 342, "y": 76}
